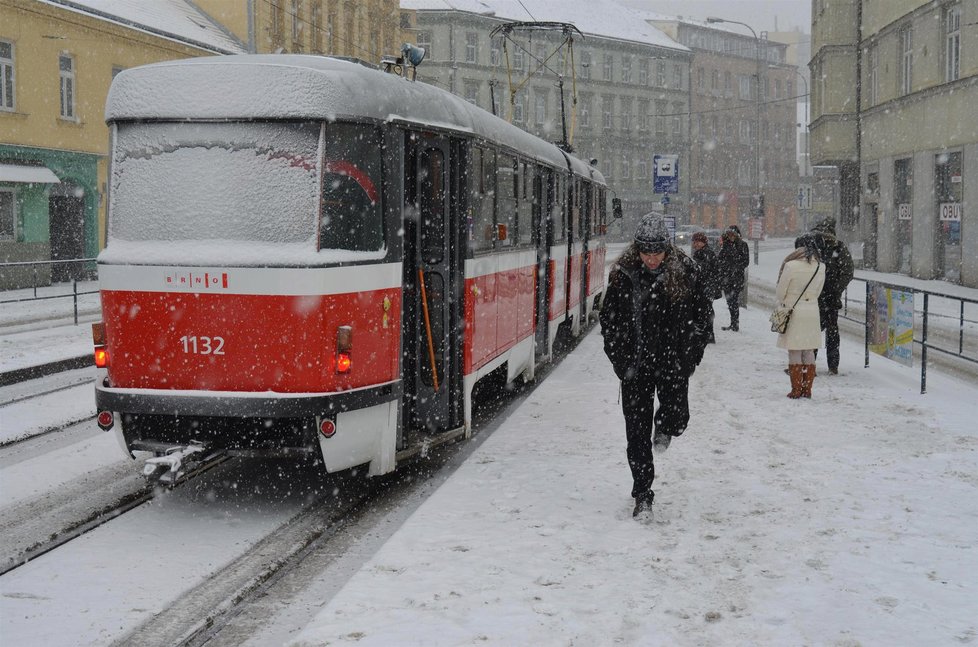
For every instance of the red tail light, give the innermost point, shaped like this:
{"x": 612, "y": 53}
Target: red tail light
{"x": 344, "y": 344}
{"x": 101, "y": 357}
{"x": 327, "y": 428}
{"x": 105, "y": 420}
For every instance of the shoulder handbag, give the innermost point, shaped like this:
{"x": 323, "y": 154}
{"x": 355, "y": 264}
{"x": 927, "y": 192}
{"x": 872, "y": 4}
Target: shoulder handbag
{"x": 782, "y": 313}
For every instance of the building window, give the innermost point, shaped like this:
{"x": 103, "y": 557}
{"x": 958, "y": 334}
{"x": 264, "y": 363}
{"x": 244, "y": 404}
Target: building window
{"x": 472, "y": 93}
{"x": 6, "y": 75}
{"x": 906, "y": 60}
{"x": 626, "y": 69}
{"x": 873, "y": 63}
{"x": 626, "y": 168}
{"x": 727, "y": 84}
{"x": 642, "y": 168}
{"x": 607, "y": 68}
{"x": 66, "y": 64}
{"x": 700, "y": 78}
{"x": 296, "y": 25}
{"x": 677, "y": 119}
{"x": 677, "y": 76}
{"x": 424, "y": 41}
{"x": 606, "y": 113}
{"x": 643, "y": 115}
{"x": 519, "y": 61}
{"x": 626, "y": 114}
{"x": 471, "y": 47}
{"x": 8, "y": 213}
{"x": 586, "y": 112}
{"x": 952, "y": 43}
{"x": 660, "y": 117}
{"x": 494, "y": 49}
{"x": 643, "y": 72}
{"x": 715, "y": 81}
{"x": 317, "y": 28}
{"x": 660, "y": 74}
{"x": 744, "y": 87}
{"x": 777, "y": 88}
{"x": 276, "y": 9}
{"x": 586, "y": 66}
{"x": 518, "y": 108}
{"x": 540, "y": 108}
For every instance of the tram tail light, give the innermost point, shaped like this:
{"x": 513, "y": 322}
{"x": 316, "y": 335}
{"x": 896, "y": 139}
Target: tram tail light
{"x": 344, "y": 347}
{"x": 98, "y": 333}
{"x": 98, "y": 338}
{"x": 105, "y": 420}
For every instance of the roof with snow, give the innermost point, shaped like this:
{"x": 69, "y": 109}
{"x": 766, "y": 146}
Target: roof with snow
{"x": 177, "y": 20}
{"x": 605, "y": 18}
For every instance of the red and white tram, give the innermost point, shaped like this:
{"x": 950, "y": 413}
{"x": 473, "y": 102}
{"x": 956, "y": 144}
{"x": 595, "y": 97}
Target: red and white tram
{"x": 305, "y": 254}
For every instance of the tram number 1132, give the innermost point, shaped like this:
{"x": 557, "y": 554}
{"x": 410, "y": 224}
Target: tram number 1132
{"x": 202, "y": 345}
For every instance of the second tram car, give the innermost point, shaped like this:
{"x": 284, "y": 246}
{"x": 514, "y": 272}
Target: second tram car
{"x": 306, "y": 255}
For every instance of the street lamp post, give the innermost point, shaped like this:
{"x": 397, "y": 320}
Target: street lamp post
{"x": 758, "y": 198}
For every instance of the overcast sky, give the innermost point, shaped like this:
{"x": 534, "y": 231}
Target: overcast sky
{"x": 762, "y": 15}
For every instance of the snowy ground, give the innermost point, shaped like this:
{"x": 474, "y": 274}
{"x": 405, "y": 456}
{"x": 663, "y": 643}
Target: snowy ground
{"x": 845, "y": 520}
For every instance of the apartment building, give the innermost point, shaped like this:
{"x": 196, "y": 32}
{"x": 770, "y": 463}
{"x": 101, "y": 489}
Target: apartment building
{"x": 743, "y": 121}
{"x": 893, "y": 110}
{"x": 631, "y": 80}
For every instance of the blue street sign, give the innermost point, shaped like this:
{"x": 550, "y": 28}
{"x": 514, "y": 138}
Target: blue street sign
{"x": 665, "y": 174}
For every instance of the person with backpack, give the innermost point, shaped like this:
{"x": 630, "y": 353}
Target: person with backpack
{"x": 838, "y": 273}
{"x": 706, "y": 258}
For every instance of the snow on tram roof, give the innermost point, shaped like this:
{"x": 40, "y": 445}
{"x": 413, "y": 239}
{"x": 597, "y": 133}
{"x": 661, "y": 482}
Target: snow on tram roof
{"x": 277, "y": 86}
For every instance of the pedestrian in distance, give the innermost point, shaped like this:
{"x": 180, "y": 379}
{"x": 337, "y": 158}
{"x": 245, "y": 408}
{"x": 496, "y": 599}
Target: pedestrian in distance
{"x": 655, "y": 323}
{"x": 800, "y": 282}
{"x": 734, "y": 257}
{"x": 706, "y": 259}
{"x": 838, "y": 273}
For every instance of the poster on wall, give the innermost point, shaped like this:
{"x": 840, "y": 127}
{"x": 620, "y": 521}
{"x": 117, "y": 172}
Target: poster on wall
{"x": 889, "y": 318}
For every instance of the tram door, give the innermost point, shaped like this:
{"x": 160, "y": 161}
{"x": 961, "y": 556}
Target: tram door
{"x": 543, "y": 227}
{"x": 432, "y": 283}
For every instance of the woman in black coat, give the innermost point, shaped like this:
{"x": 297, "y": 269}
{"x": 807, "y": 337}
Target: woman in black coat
{"x": 734, "y": 257}
{"x": 655, "y": 322}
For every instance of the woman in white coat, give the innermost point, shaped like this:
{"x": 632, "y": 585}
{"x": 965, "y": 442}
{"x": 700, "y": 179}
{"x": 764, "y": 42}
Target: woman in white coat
{"x": 801, "y": 279}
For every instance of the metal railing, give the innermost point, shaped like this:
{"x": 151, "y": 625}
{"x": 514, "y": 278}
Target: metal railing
{"x": 81, "y": 270}
{"x": 954, "y": 327}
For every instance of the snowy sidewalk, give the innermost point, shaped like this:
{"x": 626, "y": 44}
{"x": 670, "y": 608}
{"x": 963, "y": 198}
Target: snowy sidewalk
{"x": 845, "y": 520}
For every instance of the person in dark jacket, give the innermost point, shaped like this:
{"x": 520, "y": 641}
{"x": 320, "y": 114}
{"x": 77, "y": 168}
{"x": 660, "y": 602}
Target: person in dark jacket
{"x": 734, "y": 257}
{"x": 706, "y": 259}
{"x": 655, "y": 322}
{"x": 838, "y": 273}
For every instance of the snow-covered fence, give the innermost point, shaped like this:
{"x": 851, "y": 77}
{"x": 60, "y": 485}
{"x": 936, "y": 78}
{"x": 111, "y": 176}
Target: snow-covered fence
{"x": 43, "y": 299}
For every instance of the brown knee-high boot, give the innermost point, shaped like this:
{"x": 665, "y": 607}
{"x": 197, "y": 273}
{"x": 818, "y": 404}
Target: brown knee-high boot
{"x": 807, "y": 378}
{"x": 795, "y": 371}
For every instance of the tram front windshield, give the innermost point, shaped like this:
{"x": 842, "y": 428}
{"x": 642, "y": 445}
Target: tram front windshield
{"x": 247, "y": 185}
{"x": 215, "y": 181}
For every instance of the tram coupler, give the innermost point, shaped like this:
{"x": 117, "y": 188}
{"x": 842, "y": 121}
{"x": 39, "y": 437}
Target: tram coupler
{"x": 179, "y": 462}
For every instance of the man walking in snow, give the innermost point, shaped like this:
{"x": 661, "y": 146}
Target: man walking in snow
{"x": 655, "y": 323}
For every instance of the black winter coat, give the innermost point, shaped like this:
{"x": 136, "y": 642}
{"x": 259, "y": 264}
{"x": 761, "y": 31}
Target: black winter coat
{"x": 709, "y": 271}
{"x": 838, "y": 270}
{"x": 734, "y": 257}
{"x": 646, "y": 332}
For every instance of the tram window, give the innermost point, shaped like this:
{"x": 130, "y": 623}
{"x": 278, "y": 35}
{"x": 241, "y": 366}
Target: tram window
{"x": 352, "y": 214}
{"x": 482, "y": 227}
{"x": 524, "y": 226}
{"x": 506, "y": 198}
{"x": 557, "y": 208}
{"x": 432, "y": 196}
